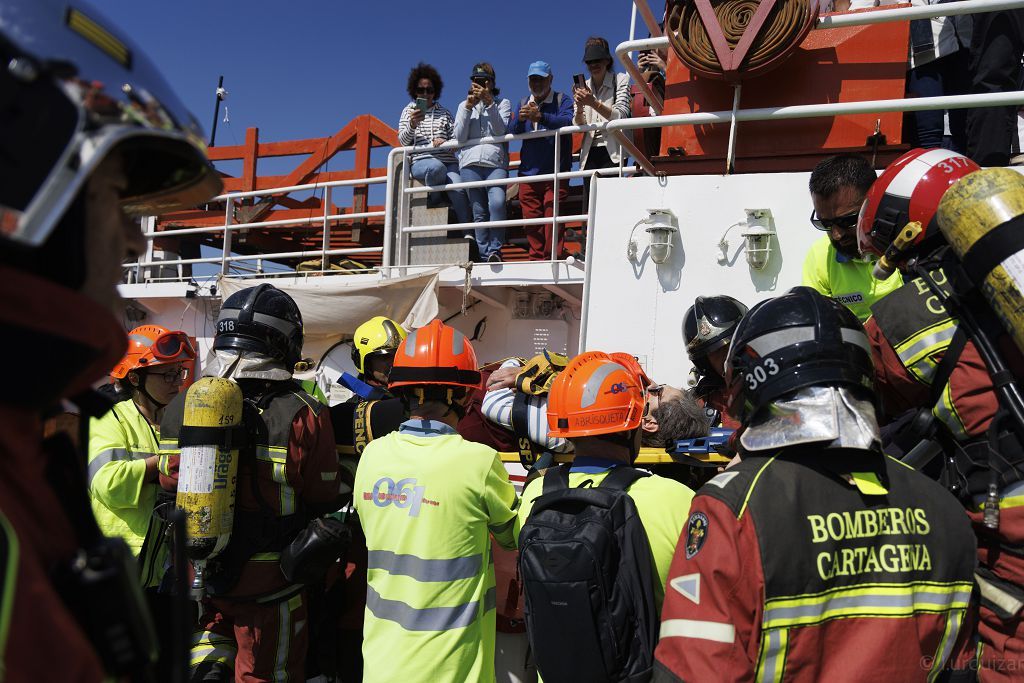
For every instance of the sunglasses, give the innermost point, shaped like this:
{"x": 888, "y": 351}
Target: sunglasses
{"x": 842, "y": 222}
{"x": 425, "y": 91}
{"x": 592, "y": 62}
{"x": 480, "y": 81}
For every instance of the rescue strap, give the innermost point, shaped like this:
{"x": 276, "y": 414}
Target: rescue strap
{"x": 539, "y": 372}
{"x": 529, "y": 452}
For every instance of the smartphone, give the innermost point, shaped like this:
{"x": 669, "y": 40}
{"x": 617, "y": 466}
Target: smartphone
{"x": 421, "y": 104}
{"x": 580, "y": 80}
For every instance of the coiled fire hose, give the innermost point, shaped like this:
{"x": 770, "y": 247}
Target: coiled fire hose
{"x": 787, "y": 24}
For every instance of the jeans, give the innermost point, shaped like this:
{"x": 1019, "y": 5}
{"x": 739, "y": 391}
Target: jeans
{"x": 943, "y": 76}
{"x": 431, "y": 171}
{"x": 487, "y": 202}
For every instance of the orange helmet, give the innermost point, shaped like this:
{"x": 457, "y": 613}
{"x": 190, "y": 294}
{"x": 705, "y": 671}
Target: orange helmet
{"x": 152, "y": 345}
{"x": 435, "y": 354}
{"x": 595, "y": 395}
{"x": 630, "y": 362}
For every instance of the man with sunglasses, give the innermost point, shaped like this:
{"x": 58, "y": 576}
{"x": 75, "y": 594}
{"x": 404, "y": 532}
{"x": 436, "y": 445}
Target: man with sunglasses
{"x": 124, "y": 451}
{"x": 834, "y": 266}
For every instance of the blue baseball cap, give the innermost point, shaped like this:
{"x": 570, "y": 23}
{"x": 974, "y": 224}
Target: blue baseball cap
{"x": 539, "y": 68}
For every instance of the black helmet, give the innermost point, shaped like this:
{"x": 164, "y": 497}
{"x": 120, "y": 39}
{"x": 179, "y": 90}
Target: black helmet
{"x": 707, "y": 327}
{"x": 800, "y": 339}
{"x": 262, "y": 319}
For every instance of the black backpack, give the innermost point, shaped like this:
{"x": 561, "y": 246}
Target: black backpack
{"x": 588, "y": 581}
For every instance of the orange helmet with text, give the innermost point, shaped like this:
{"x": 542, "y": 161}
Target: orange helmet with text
{"x": 153, "y": 345}
{"x": 630, "y": 362}
{"x": 595, "y": 395}
{"x": 435, "y": 355}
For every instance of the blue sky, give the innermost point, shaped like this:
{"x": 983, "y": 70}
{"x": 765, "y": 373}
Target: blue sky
{"x": 303, "y": 68}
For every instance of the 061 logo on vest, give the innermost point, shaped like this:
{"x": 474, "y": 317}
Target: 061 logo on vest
{"x": 403, "y": 494}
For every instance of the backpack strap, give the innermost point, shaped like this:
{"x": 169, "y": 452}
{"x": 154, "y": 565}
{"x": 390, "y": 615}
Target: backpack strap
{"x": 556, "y": 478}
{"x": 622, "y": 477}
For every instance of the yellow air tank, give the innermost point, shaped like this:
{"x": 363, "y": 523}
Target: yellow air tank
{"x": 208, "y": 469}
{"x": 982, "y": 218}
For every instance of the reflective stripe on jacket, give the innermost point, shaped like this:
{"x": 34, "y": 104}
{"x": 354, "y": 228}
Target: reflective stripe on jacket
{"x": 818, "y": 565}
{"x": 122, "y": 500}
{"x": 428, "y": 501}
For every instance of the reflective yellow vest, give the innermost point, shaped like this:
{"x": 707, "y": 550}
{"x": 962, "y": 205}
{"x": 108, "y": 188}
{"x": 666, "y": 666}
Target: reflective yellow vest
{"x": 122, "y": 501}
{"x": 850, "y": 283}
{"x": 428, "y": 501}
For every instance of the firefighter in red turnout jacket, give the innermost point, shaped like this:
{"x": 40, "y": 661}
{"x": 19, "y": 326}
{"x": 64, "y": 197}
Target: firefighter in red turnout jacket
{"x": 254, "y": 620}
{"x": 816, "y": 557}
{"x": 90, "y": 135}
{"x": 926, "y": 367}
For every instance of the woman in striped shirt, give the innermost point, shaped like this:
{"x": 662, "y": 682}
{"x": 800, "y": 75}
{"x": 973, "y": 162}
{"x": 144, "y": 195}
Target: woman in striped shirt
{"x": 425, "y": 123}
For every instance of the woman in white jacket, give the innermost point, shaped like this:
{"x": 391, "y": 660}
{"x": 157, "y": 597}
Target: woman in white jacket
{"x": 604, "y": 98}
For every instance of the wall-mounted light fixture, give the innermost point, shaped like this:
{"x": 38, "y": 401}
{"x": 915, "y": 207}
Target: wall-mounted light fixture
{"x": 661, "y": 228}
{"x": 758, "y": 234}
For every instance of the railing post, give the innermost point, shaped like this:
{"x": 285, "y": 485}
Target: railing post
{"x": 554, "y": 199}
{"x": 148, "y": 226}
{"x": 226, "y": 250}
{"x": 324, "y": 260}
{"x": 404, "y": 207}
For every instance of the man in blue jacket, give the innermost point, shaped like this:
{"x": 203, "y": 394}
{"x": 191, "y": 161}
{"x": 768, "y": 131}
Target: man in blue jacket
{"x": 544, "y": 109}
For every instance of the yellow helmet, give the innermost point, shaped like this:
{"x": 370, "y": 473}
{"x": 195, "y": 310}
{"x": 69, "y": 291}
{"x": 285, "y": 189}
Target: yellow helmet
{"x": 377, "y": 335}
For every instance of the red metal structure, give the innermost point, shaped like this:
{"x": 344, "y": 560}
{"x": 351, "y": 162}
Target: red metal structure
{"x": 360, "y": 135}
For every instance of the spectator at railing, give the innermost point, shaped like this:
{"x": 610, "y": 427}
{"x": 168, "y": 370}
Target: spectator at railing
{"x": 484, "y": 114}
{"x": 544, "y": 109}
{"x": 938, "y": 66}
{"x": 424, "y": 122}
{"x": 605, "y": 97}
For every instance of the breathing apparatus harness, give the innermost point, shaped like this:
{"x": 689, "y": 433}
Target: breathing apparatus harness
{"x": 1006, "y": 432}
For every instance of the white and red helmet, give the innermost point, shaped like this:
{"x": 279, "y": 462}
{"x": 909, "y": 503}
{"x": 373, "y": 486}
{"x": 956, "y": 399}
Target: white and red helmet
{"x": 909, "y": 189}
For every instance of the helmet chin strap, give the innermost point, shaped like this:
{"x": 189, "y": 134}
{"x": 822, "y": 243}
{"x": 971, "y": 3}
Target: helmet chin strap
{"x": 141, "y": 388}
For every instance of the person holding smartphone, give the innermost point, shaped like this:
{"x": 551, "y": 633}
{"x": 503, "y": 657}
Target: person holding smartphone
{"x": 425, "y": 123}
{"x": 484, "y": 114}
{"x": 602, "y": 97}
{"x": 543, "y": 109}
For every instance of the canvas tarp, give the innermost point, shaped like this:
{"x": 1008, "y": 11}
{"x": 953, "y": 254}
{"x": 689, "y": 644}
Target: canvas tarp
{"x": 333, "y": 307}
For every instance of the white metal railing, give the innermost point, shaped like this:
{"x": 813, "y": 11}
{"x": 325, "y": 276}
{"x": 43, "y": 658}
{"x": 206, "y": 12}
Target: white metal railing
{"x": 403, "y": 155}
{"x": 397, "y": 230}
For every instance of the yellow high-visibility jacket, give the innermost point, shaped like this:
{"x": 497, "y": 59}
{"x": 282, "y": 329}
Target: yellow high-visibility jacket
{"x": 119, "y": 443}
{"x": 428, "y": 501}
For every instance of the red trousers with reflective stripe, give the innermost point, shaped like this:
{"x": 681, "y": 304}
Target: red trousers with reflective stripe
{"x": 271, "y": 639}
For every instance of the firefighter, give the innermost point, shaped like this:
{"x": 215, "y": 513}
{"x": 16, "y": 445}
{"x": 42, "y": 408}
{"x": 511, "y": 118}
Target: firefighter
{"x": 77, "y": 161}
{"x": 371, "y": 412}
{"x": 124, "y": 451}
{"x": 373, "y": 351}
{"x": 815, "y": 557}
{"x": 707, "y": 328}
{"x": 428, "y": 502}
{"x": 928, "y": 369}
{"x": 254, "y": 620}
{"x": 619, "y": 410}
